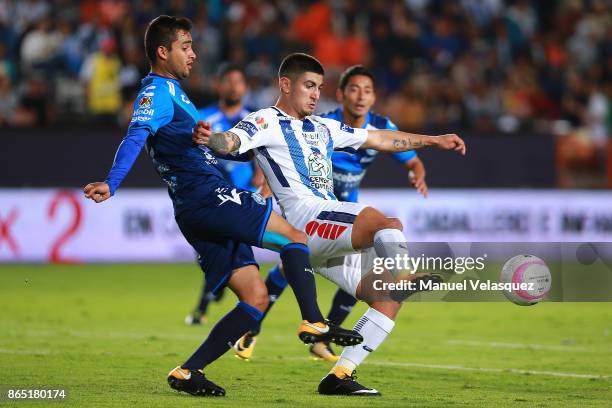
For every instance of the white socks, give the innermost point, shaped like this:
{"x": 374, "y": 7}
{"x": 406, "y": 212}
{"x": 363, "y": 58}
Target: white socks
{"x": 374, "y": 327}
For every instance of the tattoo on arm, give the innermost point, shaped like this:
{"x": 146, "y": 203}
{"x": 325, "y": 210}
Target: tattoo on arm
{"x": 403, "y": 144}
{"x": 224, "y": 142}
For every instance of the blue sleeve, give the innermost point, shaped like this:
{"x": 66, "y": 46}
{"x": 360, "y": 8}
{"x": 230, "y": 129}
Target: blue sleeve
{"x": 126, "y": 155}
{"x": 402, "y": 157}
{"x": 153, "y": 108}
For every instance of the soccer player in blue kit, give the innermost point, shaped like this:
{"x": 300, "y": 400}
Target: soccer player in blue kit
{"x": 223, "y": 115}
{"x": 219, "y": 220}
{"x": 356, "y": 93}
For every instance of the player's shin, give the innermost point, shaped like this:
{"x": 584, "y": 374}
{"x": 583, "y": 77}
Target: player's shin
{"x": 300, "y": 276}
{"x": 275, "y": 284}
{"x": 226, "y": 332}
{"x": 374, "y": 326}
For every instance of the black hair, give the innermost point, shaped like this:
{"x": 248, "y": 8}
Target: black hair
{"x": 297, "y": 63}
{"x": 354, "y": 71}
{"x": 162, "y": 31}
{"x": 227, "y": 67}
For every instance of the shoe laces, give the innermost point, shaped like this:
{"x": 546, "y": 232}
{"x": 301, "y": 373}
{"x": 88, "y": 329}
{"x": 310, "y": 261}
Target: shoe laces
{"x": 352, "y": 377}
{"x": 198, "y": 373}
{"x": 248, "y": 339}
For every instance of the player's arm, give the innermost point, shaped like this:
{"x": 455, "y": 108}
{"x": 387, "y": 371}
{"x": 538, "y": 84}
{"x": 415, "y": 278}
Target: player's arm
{"x": 416, "y": 175}
{"x": 385, "y": 140}
{"x": 222, "y": 143}
{"x": 126, "y": 155}
{"x": 153, "y": 109}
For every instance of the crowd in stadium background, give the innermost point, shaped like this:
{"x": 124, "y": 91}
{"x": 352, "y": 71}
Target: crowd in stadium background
{"x": 487, "y": 65}
{"x": 482, "y": 64}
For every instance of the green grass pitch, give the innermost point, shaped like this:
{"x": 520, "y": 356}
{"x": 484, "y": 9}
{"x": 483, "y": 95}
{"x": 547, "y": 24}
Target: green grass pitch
{"x": 109, "y": 334}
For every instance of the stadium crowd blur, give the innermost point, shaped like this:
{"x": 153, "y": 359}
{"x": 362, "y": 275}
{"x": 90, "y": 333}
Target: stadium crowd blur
{"x": 492, "y": 66}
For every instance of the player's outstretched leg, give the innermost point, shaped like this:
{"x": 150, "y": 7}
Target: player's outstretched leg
{"x": 275, "y": 284}
{"x": 246, "y": 283}
{"x": 295, "y": 255}
{"x": 371, "y": 229}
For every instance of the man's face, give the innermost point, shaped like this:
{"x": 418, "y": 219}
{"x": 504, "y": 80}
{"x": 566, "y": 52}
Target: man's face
{"x": 232, "y": 87}
{"x": 358, "y": 96}
{"x": 305, "y": 92}
{"x": 181, "y": 55}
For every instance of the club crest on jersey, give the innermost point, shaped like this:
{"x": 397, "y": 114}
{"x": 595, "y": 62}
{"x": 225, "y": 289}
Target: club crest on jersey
{"x": 320, "y": 171}
{"x": 145, "y": 102}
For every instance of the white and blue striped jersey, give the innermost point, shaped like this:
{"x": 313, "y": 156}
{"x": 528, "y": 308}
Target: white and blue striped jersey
{"x": 295, "y": 154}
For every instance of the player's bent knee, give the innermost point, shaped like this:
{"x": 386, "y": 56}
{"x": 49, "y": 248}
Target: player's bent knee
{"x": 388, "y": 308}
{"x": 392, "y": 223}
{"x": 258, "y": 298}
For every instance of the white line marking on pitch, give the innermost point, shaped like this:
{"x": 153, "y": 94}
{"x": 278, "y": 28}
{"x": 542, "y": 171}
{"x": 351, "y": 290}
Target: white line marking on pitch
{"x": 492, "y": 370}
{"x": 496, "y": 344}
{"x": 478, "y": 369}
{"x": 30, "y": 352}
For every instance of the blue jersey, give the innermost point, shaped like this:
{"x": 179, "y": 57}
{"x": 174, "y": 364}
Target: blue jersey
{"x": 164, "y": 117}
{"x": 240, "y": 173}
{"x": 350, "y": 168}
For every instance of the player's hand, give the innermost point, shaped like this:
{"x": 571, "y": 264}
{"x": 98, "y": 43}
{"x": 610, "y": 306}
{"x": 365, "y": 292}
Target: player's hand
{"x": 418, "y": 181}
{"x": 98, "y": 191}
{"x": 202, "y": 133}
{"x": 450, "y": 142}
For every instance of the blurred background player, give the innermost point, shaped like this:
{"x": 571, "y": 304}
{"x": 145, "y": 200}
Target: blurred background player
{"x": 223, "y": 115}
{"x": 356, "y": 93}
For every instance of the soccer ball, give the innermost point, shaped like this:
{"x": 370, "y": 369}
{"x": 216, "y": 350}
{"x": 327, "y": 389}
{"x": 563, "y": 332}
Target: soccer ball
{"x": 532, "y": 273}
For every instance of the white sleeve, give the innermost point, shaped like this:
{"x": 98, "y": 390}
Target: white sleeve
{"x": 344, "y": 136}
{"x": 254, "y": 130}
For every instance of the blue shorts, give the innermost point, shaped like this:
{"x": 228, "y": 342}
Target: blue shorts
{"x": 222, "y": 230}
{"x": 219, "y": 259}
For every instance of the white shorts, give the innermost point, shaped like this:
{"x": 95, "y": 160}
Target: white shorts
{"x": 329, "y": 226}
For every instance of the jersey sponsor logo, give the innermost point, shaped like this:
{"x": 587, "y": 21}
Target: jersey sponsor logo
{"x": 347, "y": 128}
{"x": 311, "y": 138}
{"x": 261, "y": 122}
{"x": 348, "y": 177}
{"x": 145, "y": 102}
{"x": 144, "y": 111}
{"x": 325, "y": 230}
{"x": 248, "y": 127}
{"x": 320, "y": 171}
{"x": 140, "y": 118}
{"x": 233, "y": 196}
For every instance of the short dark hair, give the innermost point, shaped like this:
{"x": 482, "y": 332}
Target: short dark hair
{"x": 297, "y": 63}
{"x": 227, "y": 67}
{"x": 354, "y": 71}
{"x": 162, "y": 31}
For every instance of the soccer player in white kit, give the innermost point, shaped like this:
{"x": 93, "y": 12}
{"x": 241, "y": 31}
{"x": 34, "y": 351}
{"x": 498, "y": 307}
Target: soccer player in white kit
{"x": 294, "y": 149}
